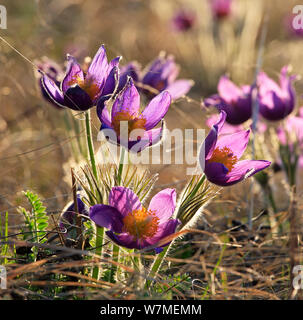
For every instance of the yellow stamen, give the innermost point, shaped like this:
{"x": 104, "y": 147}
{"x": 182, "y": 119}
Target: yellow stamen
{"x": 224, "y": 156}
{"x": 89, "y": 85}
{"x": 133, "y": 122}
{"x": 141, "y": 223}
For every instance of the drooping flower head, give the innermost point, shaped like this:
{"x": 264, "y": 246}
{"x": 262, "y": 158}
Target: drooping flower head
{"x": 235, "y": 101}
{"x": 221, "y": 8}
{"x": 79, "y": 90}
{"x": 133, "y": 226}
{"x": 220, "y": 156}
{"x": 183, "y": 20}
{"x": 140, "y": 132}
{"x": 276, "y": 101}
{"x": 54, "y": 71}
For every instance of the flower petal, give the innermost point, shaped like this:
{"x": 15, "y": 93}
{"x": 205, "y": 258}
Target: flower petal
{"x": 111, "y": 81}
{"x": 216, "y": 173}
{"x": 163, "y": 204}
{"x": 128, "y": 100}
{"x": 228, "y": 90}
{"x": 98, "y": 68}
{"x": 246, "y": 168}
{"x": 237, "y": 142}
{"x": 179, "y": 88}
{"x": 103, "y": 115}
{"x": 107, "y": 217}
{"x": 77, "y": 99}
{"x": 53, "y": 91}
{"x": 149, "y": 138}
{"x": 210, "y": 142}
{"x": 73, "y": 73}
{"x": 132, "y": 70}
{"x": 124, "y": 200}
{"x": 156, "y": 109}
{"x": 165, "y": 229}
{"x": 125, "y": 240}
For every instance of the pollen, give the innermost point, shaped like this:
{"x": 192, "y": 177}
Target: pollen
{"x": 141, "y": 223}
{"x": 225, "y": 156}
{"x": 89, "y": 85}
{"x": 133, "y": 122}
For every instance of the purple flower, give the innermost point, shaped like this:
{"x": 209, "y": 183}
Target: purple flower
{"x": 183, "y": 20}
{"x": 133, "y": 226}
{"x": 291, "y": 146}
{"x": 219, "y": 156}
{"x": 160, "y": 75}
{"x": 140, "y": 132}
{"x": 292, "y": 132}
{"x": 277, "y": 101}
{"x": 234, "y": 100}
{"x": 132, "y": 69}
{"x": 53, "y": 71}
{"x": 221, "y": 8}
{"x": 79, "y": 90}
{"x": 68, "y": 216}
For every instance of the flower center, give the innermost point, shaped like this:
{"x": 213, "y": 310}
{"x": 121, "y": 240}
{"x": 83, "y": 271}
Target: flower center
{"x": 141, "y": 223}
{"x": 133, "y": 122}
{"x": 224, "y": 156}
{"x": 88, "y": 84}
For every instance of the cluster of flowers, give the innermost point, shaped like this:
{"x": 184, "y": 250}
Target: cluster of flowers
{"x": 129, "y": 224}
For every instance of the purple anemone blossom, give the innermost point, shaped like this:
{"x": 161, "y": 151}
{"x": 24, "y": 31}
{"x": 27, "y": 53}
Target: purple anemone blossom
{"x": 235, "y": 101}
{"x": 133, "y": 226}
{"x": 160, "y": 75}
{"x": 221, "y": 8}
{"x": 276, "y": 101}
{"x": 139, "y": 132}
{"x": 291, "y": 135}
{"x": 68, "y": 216}
{"x": 79, "y": 90}
{"x": 219, "y": 156}
{"x": 183, "y": 20}
{"x": 54, "y": 71}
{"x": 132, "y": 69}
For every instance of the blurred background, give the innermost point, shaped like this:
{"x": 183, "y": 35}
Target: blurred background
{"x": 35, "y": 147}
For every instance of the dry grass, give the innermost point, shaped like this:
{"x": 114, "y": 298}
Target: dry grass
{"x": 223, "y": 261}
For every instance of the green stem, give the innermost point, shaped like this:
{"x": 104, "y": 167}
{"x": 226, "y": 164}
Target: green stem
{"x": 90, "y": 144}
{"x": 121, "y": 163}
{"x": 156, "y": 265}
{"x": 116, "y": 248}
{"x": 99, "y": 247}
